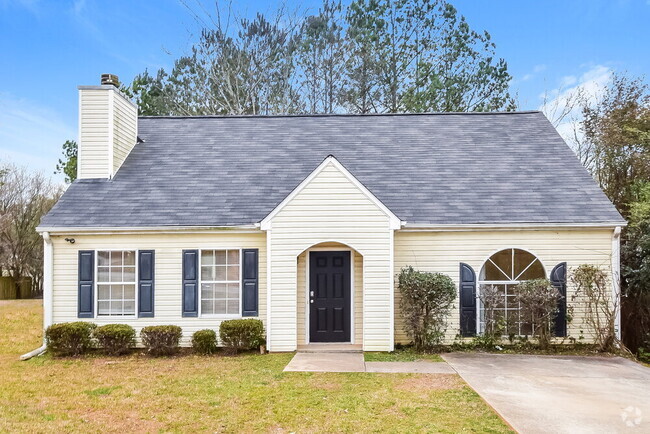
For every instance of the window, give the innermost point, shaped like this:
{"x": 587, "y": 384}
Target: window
{"x": 220, "y": 282}
{"x": 116, "y": 282}
{"x": 502, "y": 272}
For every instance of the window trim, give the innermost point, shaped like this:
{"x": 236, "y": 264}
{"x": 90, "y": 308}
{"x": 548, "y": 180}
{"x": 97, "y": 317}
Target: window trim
{"x": 223, "y": 316}
{"x": 480, "y": 327}
{"x": 117, "y": 318}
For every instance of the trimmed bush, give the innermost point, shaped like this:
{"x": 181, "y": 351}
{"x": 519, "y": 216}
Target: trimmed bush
{"x": 241, "y": 334}
{"x": 115, "y": 339}
{"x": 205, "y": 341}
{"x": 427, "y": 299}
{"x": 69, "y": 338}
{"x": 161, "y": 340}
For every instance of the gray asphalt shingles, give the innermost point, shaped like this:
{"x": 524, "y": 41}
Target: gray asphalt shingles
{"x": 428, "y": 169}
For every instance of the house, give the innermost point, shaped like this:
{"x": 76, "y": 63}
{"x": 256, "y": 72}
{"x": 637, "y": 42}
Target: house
{"x": 304, "y": 221}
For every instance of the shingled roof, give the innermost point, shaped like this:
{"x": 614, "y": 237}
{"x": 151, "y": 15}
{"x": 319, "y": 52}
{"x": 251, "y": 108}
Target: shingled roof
{"x": 434, "y": 169}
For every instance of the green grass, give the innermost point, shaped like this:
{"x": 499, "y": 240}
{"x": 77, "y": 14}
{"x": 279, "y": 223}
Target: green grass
{"x": 247, "y": 393}
{"x": 407, "y": 354}
{"x": 101, "y": 391}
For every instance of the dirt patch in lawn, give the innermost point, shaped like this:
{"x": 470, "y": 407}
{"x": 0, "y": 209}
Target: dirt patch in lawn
{"x": 127, "y": 422}
{"x": 426, "y": 382}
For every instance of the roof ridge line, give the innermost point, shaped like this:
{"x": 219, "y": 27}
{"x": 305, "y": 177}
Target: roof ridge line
{"x": 341, "y": 115}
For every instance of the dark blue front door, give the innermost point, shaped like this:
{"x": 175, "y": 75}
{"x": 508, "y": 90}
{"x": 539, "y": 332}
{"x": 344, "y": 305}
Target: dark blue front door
{"x": 329, "y": 296}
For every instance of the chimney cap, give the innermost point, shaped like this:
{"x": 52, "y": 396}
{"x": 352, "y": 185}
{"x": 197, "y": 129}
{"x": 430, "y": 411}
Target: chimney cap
{"x": 110, "y": 79}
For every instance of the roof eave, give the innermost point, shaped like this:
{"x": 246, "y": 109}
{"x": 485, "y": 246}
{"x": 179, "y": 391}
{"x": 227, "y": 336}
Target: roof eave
{"x": 510, "y": 226}
{"x": 146, "y": 229}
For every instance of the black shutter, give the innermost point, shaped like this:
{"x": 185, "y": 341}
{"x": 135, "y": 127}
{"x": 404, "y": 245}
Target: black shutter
{"x": 250, "y": 278}
{"x": 467, "y": 300}
{"x": 146, "y": 273}
{"x": 86, "y": 302}
{"x": 558, "y": 279}
{"x": 190, "y": 283}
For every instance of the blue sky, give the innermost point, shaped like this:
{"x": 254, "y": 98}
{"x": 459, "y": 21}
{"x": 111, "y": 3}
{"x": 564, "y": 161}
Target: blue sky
{"x": 48, "y": 47}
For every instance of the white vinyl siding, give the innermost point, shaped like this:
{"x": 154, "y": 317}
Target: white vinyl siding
{"x": 331, "y": 208}
{"x": 94, "y": 133}
{"x": 125, "y": 129}
{"x": 168, "y": 274}
{"x": 444, "y": 251}
{"x": 108, "y": 124}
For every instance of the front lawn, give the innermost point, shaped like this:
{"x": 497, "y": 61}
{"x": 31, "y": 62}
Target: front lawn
{"x": 217, "y": 394}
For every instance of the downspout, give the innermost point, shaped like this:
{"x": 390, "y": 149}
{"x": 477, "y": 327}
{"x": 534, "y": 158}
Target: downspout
{"x": 616, "y": 279}
{"x": 48, "y": 262}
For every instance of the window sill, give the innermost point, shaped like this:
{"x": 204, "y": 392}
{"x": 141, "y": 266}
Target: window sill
{"x": 219, "y": 316}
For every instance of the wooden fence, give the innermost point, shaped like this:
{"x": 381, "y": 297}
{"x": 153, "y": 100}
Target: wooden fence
{"x": 8, "y": 288}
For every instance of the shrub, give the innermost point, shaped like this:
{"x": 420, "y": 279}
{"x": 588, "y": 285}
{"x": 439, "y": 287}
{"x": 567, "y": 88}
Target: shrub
{"x": 495, "y": 322}
{"x": 69, "y": 338}
{"x": 161, "y": 340}
{"x": 425, "y": 304}
{"x": 241, "y": 334}
{"x": 205, "y": 341}
{"x": 115, "y": 339}
{"x": 538, "y": 300}
{"x": 593, "y": 289}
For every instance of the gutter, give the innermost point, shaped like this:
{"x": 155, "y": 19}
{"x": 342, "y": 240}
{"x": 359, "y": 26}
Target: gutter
{"x": 415, "y": 227}
{"x": 98, "y": 230}
{"x": 48, "y": 263}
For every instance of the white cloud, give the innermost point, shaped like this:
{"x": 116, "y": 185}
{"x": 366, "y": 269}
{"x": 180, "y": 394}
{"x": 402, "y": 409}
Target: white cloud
{"x": 558, "y": 104}
{"x": 31, "y": 135}
{"x": 567, "y": 81}
{"x": 536, "y": 70}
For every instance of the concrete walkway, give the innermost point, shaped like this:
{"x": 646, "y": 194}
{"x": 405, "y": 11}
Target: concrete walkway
{"x": 353, "y": 362}
{"x": 560, "y": 394}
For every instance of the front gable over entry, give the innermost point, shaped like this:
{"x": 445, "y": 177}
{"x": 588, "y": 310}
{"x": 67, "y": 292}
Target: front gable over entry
{"x": 327, "y": 172}
{"x": 331, "y": 206}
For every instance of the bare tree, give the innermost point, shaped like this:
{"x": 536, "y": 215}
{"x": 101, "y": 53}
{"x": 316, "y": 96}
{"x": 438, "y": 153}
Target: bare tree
{"x": 562, "y": 105}
{"x": 238, "y": 66}
{"x": 491, "y": 297}
{"x": 24, "y": 198}
{"x": 593, "y": 286}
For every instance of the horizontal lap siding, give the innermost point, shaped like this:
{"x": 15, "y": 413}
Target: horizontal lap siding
{"x": 444, "y": 251}
{"x": 124, "y": 127}
{"x": 330, "y": 209}
{"x": 93, "y": 133}
{"x": 168, "y": 274}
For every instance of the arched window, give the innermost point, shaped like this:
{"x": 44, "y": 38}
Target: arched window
{"x": 499, "y": 277}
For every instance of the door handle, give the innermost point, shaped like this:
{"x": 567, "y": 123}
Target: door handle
{"x": 311, "y": 293}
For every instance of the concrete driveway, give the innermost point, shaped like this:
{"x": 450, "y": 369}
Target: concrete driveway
{"x": 560, "y": 394}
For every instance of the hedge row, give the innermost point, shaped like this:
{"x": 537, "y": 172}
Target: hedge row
{"x": 75, "y": 338}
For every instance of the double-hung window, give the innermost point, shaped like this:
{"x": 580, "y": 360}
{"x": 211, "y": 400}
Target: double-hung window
{"x": 116, "y": 283}
{"x": 220, "y": 282}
